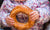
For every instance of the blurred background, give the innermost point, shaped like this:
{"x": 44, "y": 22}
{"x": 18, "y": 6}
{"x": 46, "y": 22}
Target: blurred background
{"x": 46, "y": 26}
{"x": 1, "y": 1}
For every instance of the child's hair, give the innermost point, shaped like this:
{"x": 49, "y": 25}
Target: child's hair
{"x": 45, "y": 25}
{"x": 48, "y": 0}
{"x": 7, "y": 28}
{"x": 1, "y": 1}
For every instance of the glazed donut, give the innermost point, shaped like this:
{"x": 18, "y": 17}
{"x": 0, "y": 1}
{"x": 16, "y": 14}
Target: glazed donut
{"x": 26, "y": 10}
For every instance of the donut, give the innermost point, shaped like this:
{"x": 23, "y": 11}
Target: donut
{"x": 26, "y": 10}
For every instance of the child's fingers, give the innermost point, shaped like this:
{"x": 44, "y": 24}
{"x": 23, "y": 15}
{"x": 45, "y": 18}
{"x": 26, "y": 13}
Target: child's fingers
{"x": 10, "y": 21}
{"x": 9, "y": 17}
{"x": 12, "y": 24}
{"x": 32, "y": 13}
{"x": 34, "y": 16}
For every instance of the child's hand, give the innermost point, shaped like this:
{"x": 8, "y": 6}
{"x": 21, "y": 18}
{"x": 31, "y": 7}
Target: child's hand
{"x": 10, "y": 21}
{"x": 34, "y": 15}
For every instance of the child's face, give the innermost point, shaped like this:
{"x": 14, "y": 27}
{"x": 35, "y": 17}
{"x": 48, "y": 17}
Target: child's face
{"x": 19, "y": 0}
{"x": 22, "y": 17}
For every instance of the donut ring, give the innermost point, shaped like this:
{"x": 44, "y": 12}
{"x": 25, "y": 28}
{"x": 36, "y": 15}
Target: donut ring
{"x": 23, "y": 9}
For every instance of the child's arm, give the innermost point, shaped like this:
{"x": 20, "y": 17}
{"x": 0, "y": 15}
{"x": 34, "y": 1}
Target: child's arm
{"x": 44, "y": 12}
{"x": 42, "y": 7}
{"x": 3, "y": 12}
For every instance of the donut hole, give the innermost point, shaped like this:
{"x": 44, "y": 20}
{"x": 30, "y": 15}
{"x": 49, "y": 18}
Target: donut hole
{"x": 22, "y": 17}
